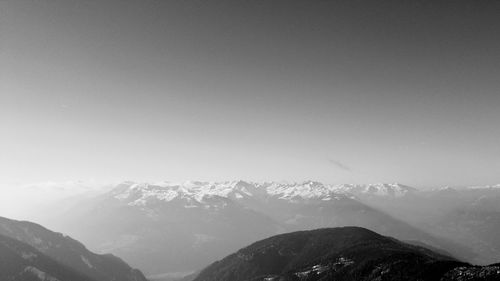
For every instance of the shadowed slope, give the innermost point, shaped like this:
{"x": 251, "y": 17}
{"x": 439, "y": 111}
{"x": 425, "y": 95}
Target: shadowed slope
{"x": 69, "y": 252}
{"x": 347, "y": 253}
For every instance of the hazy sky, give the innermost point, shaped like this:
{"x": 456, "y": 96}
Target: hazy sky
{"x": 336, "y": 91}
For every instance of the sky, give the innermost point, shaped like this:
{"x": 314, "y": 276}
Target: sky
{"x": 334, "y": 91}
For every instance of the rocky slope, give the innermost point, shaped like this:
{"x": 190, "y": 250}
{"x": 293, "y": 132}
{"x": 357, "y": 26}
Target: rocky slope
{"x": 348, "y": 253}
{"x": 22, "y": 262}
{"x": 67, "y": 252}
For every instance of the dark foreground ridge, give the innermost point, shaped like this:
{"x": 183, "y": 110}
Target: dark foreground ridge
{"x": 21, "y": 262}
{"x": 341, "y": 254}
{"x": 29, "y": 251}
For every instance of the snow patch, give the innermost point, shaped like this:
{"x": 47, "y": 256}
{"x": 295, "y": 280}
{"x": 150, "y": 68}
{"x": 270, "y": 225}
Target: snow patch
{"x": 42, "y": 276}
{"x": 86, "y": 261}
{"x": 28, "y": 256}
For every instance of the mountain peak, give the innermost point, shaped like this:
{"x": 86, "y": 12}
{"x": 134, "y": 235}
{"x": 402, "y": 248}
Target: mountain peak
{"x": 343, "y": 253}
{"x": 377, "y": 189}
{"x": 196, "y": 191}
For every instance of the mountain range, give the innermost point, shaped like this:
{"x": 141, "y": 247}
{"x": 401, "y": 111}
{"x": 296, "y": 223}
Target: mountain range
{"x": 30, "y": 252}
{"x": 167, "y": 228}
{"x": 170, "y": 229}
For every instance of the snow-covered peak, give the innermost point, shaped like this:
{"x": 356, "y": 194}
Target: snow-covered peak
{"x": 445, "y": 190}
{"x": 377, "y": 189}
{"x": 496, "y": 186}
{"x": 199, "y": 193}
{"x": 192, "y": 192}
{"x": 195, "y": 192}
{"x": 303, "y": 191}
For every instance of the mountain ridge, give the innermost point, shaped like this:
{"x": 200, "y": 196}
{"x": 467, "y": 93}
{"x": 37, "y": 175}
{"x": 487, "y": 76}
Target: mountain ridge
{"x": 22, "y": 262}
{"x": 69, "y": 252}
{"x": 306, "y": 190}
{"x": 139, "y": 220}
{"x": 343, "y": 254}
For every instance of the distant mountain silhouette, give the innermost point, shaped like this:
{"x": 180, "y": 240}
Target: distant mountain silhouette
{"x": 39, "y": 249}
{"x": 467, "y": 216}
{"x": 341, "y": 254}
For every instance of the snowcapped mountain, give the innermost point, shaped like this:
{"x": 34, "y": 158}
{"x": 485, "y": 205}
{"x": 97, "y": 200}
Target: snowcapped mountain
{"x": 496, "y": 186}
{"x": 195, "y": 193}
{"x": 208, "y": 220}
{"x": 377, "y": 189}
